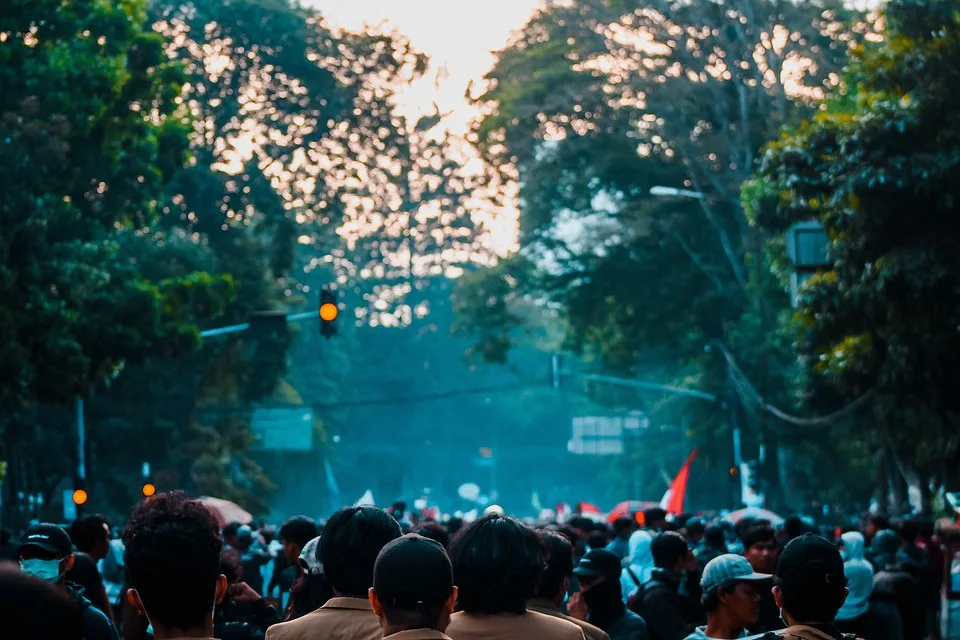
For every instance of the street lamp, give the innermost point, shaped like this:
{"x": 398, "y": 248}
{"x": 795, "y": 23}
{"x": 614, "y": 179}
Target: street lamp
{"x": 673, "y": 192}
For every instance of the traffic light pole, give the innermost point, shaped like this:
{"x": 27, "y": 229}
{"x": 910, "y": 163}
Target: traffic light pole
{"x": 237, "y": 328}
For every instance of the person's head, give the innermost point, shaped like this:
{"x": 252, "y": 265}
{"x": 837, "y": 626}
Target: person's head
{"x": 46, "y": 553}
{"x": 497, "y": 563}
{"x": 909, "y": 532}
{"x": 852, "y": 546}
{"x": 760, "y": 548}
{"x": 350, "y": 544}
{"x": 809, "y": 585}
{"x": 599, "y": 574}
{"x": 730, "y": 589}
{"x": 596, "y": 540}
{"x": 670, "y": 552}
{"x": 92, "y": 536}
{"x": 413, "y": 585}
{"x": 623, "y": 527}
{"x": 694, "y": 529}
{"x": 230, "y": 533}
{"x": 715, "y": 537}
{"x": 172, "y": 557}
{"x": 553, "y": 582}
{"x": 655, "y": 518}
{"x": 875, "y": 524}
{"x": 454, "y": 525}
{"x": 311, "y": 590}
{"x": 27, "y": 603}
{"x": 244, "y": 538}
{"x": 295, "y": 533}
{"x": 436, "y": 532}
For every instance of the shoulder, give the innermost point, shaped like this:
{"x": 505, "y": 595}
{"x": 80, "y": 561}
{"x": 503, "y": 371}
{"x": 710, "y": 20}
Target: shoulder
{"x": 97, "y": 624}
{"x": 561, "y": 627}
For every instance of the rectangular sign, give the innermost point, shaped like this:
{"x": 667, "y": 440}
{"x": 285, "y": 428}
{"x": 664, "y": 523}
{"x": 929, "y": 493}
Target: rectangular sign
{"x": 603, "y": 435}
{"x": 282, "y": 429}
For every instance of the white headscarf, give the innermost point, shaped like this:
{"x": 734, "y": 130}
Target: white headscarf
{"x": 639, "y": 563}
{"x": 859, "y": 574}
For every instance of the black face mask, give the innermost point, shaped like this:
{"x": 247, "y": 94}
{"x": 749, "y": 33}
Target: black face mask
{"x": 605, "y": 603}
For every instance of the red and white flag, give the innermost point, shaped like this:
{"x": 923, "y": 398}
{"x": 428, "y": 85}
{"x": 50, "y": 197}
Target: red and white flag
{"x": 673, "y": 499}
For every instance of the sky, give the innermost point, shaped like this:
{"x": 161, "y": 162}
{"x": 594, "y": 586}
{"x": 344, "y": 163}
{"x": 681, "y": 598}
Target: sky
{"x": 458, "y": 35}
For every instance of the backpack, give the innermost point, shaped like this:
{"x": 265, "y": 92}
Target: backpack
{"x": 635, "y": 601}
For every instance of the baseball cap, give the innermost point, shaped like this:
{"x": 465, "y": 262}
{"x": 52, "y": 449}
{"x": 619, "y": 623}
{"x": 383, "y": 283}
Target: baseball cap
{"x": 726, "y": 569}
{"x": 599, "y": 562}
{"x": 47, "y": 537}
{"x": 808, "y": 564}
{"x": 308, "y": 560}
{"x": 413, "y": 573}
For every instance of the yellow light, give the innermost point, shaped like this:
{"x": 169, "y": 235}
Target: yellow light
{"x": 733, "y": 471}
{"x": 79, "y": 496}
{"x": 149, "y": 489}
{"x": 328, "y": 312}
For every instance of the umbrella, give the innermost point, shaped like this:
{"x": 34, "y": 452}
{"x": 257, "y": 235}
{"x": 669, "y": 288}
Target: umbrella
{"x": 754, "y": 513}
{"x": 627, "y": 508}
{"x": 226, "y": 511}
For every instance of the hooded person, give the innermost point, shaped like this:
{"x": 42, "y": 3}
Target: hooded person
{"x": 46, "y": 553}
{"x": 638, "y": 567}
{"x": 600, "y": 602}
{"x": 859, "y": 574}
{"x": 891, "y": 584}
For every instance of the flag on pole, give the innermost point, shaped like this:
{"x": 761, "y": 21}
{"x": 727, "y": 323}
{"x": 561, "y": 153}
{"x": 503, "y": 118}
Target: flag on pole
{"x": 673, "y": 499}
{"x": 365, "y": 500}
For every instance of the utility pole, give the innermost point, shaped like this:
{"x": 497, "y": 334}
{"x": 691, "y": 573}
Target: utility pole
{"x": 81, "y": 481}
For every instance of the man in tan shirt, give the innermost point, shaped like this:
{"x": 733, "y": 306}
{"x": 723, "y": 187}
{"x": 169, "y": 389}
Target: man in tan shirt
{"x": 497, "y": 563}
{"x": 413, "y": 592}
{"x": 348, "y": 549}
{"x": 553, "y": 585}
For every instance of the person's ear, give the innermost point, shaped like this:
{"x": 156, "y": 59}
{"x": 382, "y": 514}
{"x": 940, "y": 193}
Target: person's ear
{"x": 221, "y": 589}
{"x": 68, "y": 562}
{"x": 451, "y": 602}
{"x": 134, "y": 599}
{"x": 778, "y": 597}
{"x": 375, "y": 603}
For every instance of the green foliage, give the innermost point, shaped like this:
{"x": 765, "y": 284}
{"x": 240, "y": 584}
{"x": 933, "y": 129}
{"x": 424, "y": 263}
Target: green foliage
{"x": 878, "y": 169}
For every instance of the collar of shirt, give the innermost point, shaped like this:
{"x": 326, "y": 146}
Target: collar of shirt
{"x": 418, "y": 634}
{"x": 542, "y": 604}
{"x": 341, "y": 602}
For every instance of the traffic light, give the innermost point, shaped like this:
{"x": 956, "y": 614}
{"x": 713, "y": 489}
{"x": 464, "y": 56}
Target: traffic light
{"x": 79, "y": 497}
{"x": 329, "y": 311}
{"x": 148, "y": 488}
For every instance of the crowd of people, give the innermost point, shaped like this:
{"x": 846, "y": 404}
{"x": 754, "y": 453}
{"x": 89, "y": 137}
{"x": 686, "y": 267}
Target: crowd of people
{"x": 368, "y": 573}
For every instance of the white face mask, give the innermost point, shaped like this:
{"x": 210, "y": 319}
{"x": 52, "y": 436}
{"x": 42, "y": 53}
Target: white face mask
{"x": 46, "y": 570}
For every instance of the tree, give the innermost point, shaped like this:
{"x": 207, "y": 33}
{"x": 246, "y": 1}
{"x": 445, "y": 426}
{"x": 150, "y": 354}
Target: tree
{"x": 877, "y": 167}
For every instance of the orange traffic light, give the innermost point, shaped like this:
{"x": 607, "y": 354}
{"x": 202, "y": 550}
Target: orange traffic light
{"x": 79, "y": 496}
{"x": 148, "y": 489}
{"x": 733, "y": 471}
{"x": 329, "y": 312}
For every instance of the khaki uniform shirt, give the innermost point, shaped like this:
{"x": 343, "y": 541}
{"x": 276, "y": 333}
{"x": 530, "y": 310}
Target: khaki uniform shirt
{"x": 511, "y": 626}
{"x": 338, "y": 619}
{"x": 547, "y": 608}
{"x": 418, "y": 634}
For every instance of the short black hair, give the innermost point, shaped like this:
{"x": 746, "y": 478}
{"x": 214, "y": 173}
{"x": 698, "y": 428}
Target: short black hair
{"x": 559, "y": 564}
{"x": 654, "y": 514}
{"x": 84, "y": 532}
{"x": 299, "y": 530}
{"x": 454, "y": 525}
{"x": 497, "y": 564}
{"x": 714, "y": 536}
{"x": 28, "y": 603}
{"x": 231, "y": 530}
{"x": 909, "y": 530}
{"x": 623, "y": 524}
{"x": 350, "y": 544}
{"x": 436, "y": 532}
{"x": 668, "y": 548}
{"x": 694, "y": 526}
{"x": 794, "y": 527}
{"x": 757, "y": 534}
{"x": 879, "y": 521}
{"x": 172, "y": 557}
{"x": 597, "y": 540}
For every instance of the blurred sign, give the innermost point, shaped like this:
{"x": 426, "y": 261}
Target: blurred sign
{"x": 69, "y": 507}
{"x": 283, "y": 429}
{"x": 603, "y": 435}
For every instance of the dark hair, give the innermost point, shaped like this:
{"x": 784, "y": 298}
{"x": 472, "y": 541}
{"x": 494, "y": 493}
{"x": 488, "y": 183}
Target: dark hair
{"x": 230, "y": 531}
{"x": 714, "y": 536}
{"x": 710, "y": 601}
{"x": 173, "y": 559}
{"x": 308, "y": 593}
{"x": 559, "y": 564}
{"x": 298, "y": 530}
{"x": 597, "y": 540}
{"x": 794, "y": 527}
{"x": 879, "y": 521}
{"x": 654, "y": 514}
{"x": 694, "y": 525}
{"x": 497, "y": 563}
{"x": 28, "y": 603}
{"x": 818, "y": 605}
{"x": 454, "y": 525}
{"x": 909, "y": 531}
{"x": 350, "y": 544}
{"x": 668, "y": 548}
{"x": 756, "y": 535}
{"x": 85, "y": 532}
{"x": 623, "y": 524}
{"x": 435, "y": 531}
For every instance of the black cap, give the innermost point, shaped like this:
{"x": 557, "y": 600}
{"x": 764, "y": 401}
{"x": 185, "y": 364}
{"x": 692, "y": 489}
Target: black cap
{"x": 413, "y": 573}
{"x": 49, "y": 538}
{"x": 810, "y": 564}
{"x": 599, "y": 562}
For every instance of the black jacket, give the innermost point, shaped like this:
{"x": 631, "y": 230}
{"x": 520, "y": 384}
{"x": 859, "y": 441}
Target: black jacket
{"x": 96, "y": 625}
{"x": 659, "y": 603}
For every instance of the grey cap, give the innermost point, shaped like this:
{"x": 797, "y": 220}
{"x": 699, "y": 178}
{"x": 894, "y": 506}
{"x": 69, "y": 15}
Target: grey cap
{"x": 309, "y": 561}
{"x": 727, "y": 569}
